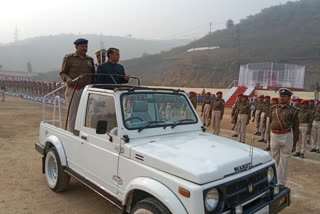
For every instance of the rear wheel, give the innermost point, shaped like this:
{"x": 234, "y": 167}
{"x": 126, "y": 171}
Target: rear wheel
{"x": 57, "y": 179}
{"x": 150, "y": 206}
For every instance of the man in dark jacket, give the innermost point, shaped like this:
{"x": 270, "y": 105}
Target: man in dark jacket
{"x": 113, "y": 68}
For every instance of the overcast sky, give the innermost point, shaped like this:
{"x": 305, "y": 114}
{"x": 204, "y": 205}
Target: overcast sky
{"x": 149, "y": 19}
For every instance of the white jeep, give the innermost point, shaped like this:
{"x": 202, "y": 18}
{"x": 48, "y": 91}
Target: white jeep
{"x": 146, "y": 151}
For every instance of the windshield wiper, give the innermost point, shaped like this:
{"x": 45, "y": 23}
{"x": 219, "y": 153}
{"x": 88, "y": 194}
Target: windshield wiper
{"x": 181, "y": 122}
{"x": 149, "y": 124}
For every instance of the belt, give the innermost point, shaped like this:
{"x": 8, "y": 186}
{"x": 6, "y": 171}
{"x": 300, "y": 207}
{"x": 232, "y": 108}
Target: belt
{"x": 303, "y": 124}
{"x": 285, "y": 131}
{"x": 71, "y": 86}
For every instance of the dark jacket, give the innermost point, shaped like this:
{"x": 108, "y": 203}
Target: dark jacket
{"x": 109, "y": 68}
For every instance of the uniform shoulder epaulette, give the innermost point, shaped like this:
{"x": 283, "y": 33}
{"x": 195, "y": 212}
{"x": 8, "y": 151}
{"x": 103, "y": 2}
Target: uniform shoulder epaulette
{"x": 68, "y": 55}
{"x": 89, "y": 57}
{"x": 274, "y": 106}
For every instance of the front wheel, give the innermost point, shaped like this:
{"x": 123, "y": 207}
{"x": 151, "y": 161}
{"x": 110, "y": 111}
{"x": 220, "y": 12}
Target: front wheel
{"x": 150, "y": 206}
{"x": 57, "y": 179}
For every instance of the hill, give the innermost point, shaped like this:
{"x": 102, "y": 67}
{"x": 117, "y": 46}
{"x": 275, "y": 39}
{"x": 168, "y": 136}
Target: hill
{"x": 287, "y": 33}
{"x": 45, "y": 53}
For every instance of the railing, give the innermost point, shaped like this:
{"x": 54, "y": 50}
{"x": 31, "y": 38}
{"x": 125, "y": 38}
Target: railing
{"x": 234, "y": 83}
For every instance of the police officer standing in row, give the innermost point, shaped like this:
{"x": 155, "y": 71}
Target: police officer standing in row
{"x": 305, "y": 124}
{"x": 284, "y": 125}
{"x": 218, "y": 112}
{"x": 73, "y": 66}
{"x": 244, "y": 116}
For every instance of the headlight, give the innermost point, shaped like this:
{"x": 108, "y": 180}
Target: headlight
{"x": 212, "y": 199}
{"x": 270, "y": 174}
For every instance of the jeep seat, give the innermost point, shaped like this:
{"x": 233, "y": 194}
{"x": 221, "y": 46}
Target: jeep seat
{"x": 140, "y": 109}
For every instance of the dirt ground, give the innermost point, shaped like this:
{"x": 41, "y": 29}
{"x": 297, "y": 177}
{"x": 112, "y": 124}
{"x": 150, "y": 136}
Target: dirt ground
{"x": 23, "y": 187}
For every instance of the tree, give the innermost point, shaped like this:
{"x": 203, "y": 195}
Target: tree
{"x": 229, "y": 24}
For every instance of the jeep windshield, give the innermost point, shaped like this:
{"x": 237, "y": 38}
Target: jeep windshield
{"x": 147, "y": 110}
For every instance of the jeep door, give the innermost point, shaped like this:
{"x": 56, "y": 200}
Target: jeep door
{"x": 99, "y": 152}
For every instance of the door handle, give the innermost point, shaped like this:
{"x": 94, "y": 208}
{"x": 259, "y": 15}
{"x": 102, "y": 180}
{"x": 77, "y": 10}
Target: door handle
{"x": 84, "y": 137}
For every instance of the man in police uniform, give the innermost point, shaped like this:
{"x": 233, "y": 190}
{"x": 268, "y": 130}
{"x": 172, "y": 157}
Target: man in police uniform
{"x": 256, "y": 114}
{"x": 101, "y": 58}
{"x": 315, "y": 132}
{"x": 284, "y": 125}
{"x": 312, "y": 108}
{"x": 263, "y": 119}
{"x": 3, "y": 91}
{"x": 244, "y": 117}
{"x": 193, "y": 99}
{"x": 305, "y": 124}
{"x": 274, "y": 101}
{"x": 206, "y": 109}
{"x": 218, "y": 111}
{"x": 74, "y": 65}
{"x": 234, "y": 116}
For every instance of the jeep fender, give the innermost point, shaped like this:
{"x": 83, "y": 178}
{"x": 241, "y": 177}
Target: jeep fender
{"x": 57, "y": 143}
{"x": 158, "y": 190}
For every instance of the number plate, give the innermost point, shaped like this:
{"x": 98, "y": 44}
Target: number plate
{"x": 264, "y": 210}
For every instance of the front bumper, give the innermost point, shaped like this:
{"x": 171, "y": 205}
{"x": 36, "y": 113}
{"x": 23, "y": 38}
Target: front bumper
{"x": 273, "y": 203}
{"x": 39, "y": 148}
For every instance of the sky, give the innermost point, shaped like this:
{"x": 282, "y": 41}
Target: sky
{"x": 148, "y": 19}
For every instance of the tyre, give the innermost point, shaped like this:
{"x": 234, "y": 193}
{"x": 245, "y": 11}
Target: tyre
{"x": 57, "y": 179}
{"x": 150, "y": 206}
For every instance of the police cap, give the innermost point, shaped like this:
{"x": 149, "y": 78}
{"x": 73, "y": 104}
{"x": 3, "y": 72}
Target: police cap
{"x": 80, "y": 41}
{"x": 285, "y": 91}
{"x": 103, "y": 51}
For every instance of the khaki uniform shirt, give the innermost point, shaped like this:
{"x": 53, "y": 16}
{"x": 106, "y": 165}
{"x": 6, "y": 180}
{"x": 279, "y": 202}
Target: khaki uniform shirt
{"x": 257, "y": 107}
{"x": 245, "y": 108}
{"x": 206, "y": 101}
{"x": 305, "y": 116}
{"x": 73, "y": 66}
{"x": 218, "y": 104}
{"x": 316, "y": 115}
{"x": 235, "y": 108}
{"x": 288, "y": 117}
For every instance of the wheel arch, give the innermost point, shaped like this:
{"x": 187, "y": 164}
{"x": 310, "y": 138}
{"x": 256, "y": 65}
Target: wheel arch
{"x": 53, "y": 141}
{"x": 150, "y": 187}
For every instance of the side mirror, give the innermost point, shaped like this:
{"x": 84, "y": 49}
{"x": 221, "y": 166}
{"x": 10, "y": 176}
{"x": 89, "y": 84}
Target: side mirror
{"x": 102, "y": 127}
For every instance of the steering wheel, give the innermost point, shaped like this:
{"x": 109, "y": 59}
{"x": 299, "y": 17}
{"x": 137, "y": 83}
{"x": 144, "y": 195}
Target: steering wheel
{"x": 133, "y": 118}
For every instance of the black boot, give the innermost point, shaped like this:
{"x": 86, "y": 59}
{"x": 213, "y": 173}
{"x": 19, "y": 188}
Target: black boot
{"x": 302, "y": 155}
{"x": 267, "y": 149}
{"x": 235, "y": 135}
{"x": 308, "y": 142}
{"x": 262, "y": 140}
{"x": 317, "y": 151}
{"x": 313, "y": 150}
{"x": 259, "y": 134}
{"x": 297, "y": 154}
{"x": 256, "y": 133}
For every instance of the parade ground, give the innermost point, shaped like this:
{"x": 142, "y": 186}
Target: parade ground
{"x": 23, "y": 188}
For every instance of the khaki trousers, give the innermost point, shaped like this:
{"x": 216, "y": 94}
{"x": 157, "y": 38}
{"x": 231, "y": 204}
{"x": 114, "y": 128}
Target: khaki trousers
{"x": 262, "y": 124}
{"x": 301, "y": 145}
{"x": 73, "y": 107}
{"x": 243, "y": 119}
{"x": 236, "y": 128}
{"x": 315, "y": 132}
{"x": 216, "y": 122}
{"x": 206, "y": 113}
{"x": 3, "y": 95}
{"x": 281, "y": 147}
{"x": 256, "y": 116}
{"x": 267, "y": 133}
